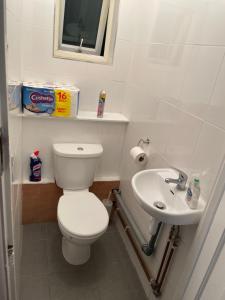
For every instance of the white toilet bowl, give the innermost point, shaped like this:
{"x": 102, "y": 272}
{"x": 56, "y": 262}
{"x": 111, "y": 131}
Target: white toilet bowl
{"x": 82, "y": 219}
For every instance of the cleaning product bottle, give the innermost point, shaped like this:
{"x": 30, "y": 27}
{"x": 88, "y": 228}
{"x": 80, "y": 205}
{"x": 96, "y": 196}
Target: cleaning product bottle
{"x": 193, "y": 193}
{"x": 35, "y": 166}
{"x": 189, "y": 193}
{"x": 101, "y": 104}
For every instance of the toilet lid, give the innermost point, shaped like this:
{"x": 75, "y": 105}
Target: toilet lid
{"x": 82, "y": 214}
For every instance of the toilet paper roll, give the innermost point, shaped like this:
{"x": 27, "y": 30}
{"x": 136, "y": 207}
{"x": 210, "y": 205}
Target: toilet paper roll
{"x": 138, "y": 155}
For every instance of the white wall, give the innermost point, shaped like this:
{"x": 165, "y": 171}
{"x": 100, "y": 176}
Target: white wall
{"x": 15, "y": 128}
{"x": 175, "y": 96}
{"x": 39, "y": 64}
{"x": 42, "y": 134}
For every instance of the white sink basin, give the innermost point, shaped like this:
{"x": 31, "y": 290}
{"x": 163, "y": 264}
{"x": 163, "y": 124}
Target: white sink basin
{"x": 149, "y": 187}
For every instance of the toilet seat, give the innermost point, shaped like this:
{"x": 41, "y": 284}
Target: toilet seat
{"x": 81, "y": 214}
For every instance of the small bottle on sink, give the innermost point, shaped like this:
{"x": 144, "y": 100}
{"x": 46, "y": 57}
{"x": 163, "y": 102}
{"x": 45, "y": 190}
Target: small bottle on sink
{"x": 193, "y": 193}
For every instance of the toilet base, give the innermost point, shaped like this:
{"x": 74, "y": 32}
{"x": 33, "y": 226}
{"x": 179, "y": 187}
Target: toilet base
{"x": 75, "y": 254}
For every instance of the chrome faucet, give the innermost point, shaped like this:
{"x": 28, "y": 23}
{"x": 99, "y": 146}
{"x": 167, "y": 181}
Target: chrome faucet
{"x": 180, "y": 181}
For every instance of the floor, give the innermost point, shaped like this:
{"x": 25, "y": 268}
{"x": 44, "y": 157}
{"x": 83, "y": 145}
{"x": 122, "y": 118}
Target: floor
{"x": 108, "y": 275}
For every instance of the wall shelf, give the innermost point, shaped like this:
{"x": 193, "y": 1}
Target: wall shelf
{"x": 85, "y": 116}
{"x": 108, "y": 117}
{"x": 43, "y": 181}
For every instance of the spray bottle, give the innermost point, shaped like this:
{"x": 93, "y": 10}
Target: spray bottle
{"x": 101, "y": 104}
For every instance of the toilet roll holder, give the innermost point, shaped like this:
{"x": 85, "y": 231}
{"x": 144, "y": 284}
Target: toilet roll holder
{"x": 143, "y": 141}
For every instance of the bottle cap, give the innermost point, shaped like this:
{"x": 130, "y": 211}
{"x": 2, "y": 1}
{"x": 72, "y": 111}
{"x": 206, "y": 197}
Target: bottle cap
{"x": 102, "y": 95}
{"x": 36, "y": 152}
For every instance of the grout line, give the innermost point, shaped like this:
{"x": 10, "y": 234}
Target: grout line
{"x": 186, "y": 44}
{"x": 216, "y": 80}
{"x": 137, "y": 44}
{"x": 15, "y": 15}
{"x": 192, "y": 115}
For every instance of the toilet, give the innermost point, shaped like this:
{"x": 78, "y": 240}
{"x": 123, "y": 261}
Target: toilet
{"x": 82, "y": 217}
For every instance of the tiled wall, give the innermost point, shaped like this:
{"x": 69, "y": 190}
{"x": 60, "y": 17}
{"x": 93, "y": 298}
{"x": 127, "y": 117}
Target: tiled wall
{"x": 13, "y": 15}
{"x": 175, "y": 96}
{"x": 39, "y": 64}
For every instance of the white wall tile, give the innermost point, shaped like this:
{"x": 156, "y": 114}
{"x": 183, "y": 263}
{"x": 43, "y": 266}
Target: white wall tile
{"x": 134, "y": 22}
{"x": 15, "y": 7}
{"x": 111, "y": 138}
{"x": 138, "y": 106}
{"x": 174, "y": 70}
{"x": 147, "y": 71}
{"x": 208, "y": 156}
{"x": 90, "y": 94}
{"x": 144, "y": 23}
{"x": 216, "y": 109}
{"x": 202, "y": 67}
{"x": 38, "y": 13}
{"x": 119, "y": 69}
{"x": 126, "y": 24}
{"x": 183, "y": 134}
{"x": 172, "y": 21}
{"x": 160, "y": 130}
{"x": 208, "y": 23}
{"x": 13, "y": 47}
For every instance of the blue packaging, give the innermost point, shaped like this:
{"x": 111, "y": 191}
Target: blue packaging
{"x": 38, "y": 100}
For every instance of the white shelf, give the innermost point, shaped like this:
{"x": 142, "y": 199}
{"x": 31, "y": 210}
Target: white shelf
{"x": 108, "y": 117}
{"x": 43, "y": 181}
{"x": 26, "y": 116}
{"x": 85, "y": 116}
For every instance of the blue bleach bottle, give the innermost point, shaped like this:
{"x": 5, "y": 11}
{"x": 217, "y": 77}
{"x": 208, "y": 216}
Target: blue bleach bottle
{"x": 35, "y": 166}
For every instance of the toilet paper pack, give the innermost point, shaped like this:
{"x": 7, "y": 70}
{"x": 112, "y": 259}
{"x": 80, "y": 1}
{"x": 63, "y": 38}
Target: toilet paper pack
{"x": 38, "y": 100}
{"x": 14, "y": 94}
{"x": 50, "y": 99}
{"x": 66, "y": 101}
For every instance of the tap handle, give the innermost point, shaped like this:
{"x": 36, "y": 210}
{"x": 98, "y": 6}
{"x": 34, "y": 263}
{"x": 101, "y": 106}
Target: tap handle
{"x": 182, "y": 175}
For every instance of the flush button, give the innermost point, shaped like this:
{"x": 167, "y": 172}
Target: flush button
{"x": 80, "y": 148}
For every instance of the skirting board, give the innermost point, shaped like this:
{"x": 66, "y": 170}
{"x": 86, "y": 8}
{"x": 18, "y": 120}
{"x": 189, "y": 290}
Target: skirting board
{"x": 40, "y": 200}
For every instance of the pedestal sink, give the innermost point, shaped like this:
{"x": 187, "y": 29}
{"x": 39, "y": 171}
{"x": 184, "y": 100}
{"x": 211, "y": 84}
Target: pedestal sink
{"x": 162, "y": 200}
